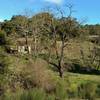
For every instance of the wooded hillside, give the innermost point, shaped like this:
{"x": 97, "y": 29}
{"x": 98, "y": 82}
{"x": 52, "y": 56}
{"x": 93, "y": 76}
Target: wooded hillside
{"x": 49, "y": 57}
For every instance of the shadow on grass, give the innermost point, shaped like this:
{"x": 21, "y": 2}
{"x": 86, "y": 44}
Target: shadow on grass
{"x": 76, "y": 68}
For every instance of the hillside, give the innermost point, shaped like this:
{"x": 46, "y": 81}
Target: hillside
{"x": 44, "y": 57}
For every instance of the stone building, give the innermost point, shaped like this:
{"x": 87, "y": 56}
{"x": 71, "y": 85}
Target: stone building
{"x": 21, "y": 46}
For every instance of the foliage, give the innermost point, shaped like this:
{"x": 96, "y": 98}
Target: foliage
{"x": 61, "y": 93}
{"x": 87, "y": 90}
{"x": 54, "y": 43}
{"x": 2, "y": 38}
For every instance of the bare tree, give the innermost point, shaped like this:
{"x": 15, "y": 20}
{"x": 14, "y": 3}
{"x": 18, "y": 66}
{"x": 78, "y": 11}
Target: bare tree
{"x": 64, "y": 28}
{"x": 93, "y": 58}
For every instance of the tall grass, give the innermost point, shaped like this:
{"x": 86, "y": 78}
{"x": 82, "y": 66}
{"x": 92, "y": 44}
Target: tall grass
{"x": 34, "y": 94}
{"x": 87, "y": 90}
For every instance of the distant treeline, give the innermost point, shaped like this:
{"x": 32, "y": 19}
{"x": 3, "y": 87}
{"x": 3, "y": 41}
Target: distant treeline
{"x": 21, "y": 25}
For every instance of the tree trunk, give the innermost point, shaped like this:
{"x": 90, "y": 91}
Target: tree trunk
{"x": 61, "y": 60}
{"x": 26, "y": 40}
{"x": 60, "y": 71}
{"x": 35, "y": 44}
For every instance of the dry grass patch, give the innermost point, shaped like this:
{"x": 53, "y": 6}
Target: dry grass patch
{"x": 38, "y": 73}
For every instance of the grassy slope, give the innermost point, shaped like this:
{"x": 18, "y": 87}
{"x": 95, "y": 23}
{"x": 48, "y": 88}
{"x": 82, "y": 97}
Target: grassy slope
{"x": 18, "y": 65}
{"x": 78, "y": 78}
{"x": 72, "y": 51}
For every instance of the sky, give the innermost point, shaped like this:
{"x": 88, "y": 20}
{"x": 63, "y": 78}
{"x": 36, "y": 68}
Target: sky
{"x": 88, "y": 10}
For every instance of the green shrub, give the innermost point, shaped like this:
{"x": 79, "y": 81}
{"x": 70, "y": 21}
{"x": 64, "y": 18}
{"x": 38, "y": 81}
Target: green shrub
{"x": 4, "y": 62}
{"x": 87, "y": 90}
{"x": 35, "y": 94}
{"x": 61, "y": 93}
{"x": 27, "y": 95}
{"x": 98, "y": 91}
{"x": 72, "y": 91}
{"x": 2, "y": 38}
{"x": 12, "y": 96}
{"x": 50, "y": 97}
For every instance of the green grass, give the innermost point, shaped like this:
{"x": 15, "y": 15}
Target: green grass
{"x": 71, "y": 86}
{"x": 73, "y": 77}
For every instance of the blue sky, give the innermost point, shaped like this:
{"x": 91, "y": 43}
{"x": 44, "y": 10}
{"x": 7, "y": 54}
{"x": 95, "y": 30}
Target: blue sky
{"x": 85, "y": 9}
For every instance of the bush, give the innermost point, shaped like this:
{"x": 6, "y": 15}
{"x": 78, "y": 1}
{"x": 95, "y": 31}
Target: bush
{"x": 50, "y": 97}
{"x": 12, "y": 96}
{"x": 87, "y": 91}
{"x": 35, "y": 94}
{"x": 61, "y": 93}
{"x": 4, "y": 62}
{"x": 37, "y": 73}
{"x": 2, "y": 38}
{"x": 98, "y": 91}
